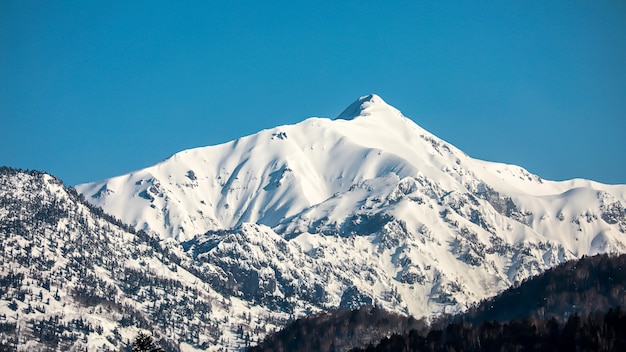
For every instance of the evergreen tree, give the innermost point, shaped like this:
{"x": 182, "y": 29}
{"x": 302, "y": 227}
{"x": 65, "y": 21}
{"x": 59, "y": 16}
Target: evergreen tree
{"x": 144, "y": 343}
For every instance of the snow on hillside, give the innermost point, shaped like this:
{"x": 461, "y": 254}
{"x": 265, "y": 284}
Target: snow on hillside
{"x": 76, "y": 279}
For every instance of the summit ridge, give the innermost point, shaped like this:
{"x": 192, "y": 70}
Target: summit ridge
{"x": 364, "y": 106}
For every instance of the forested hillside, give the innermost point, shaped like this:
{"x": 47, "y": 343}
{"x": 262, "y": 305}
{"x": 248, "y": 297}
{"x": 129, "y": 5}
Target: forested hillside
{"x": 339, "y": 330}
{"x": 589, "y": 285}
{"x": 593, "y": 332}
{"x": 75, "y": 278}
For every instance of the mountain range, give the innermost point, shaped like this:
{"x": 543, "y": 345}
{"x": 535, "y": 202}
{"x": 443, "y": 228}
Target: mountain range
{"x": 364, "y": 209}
{"x": 406, "y": 214}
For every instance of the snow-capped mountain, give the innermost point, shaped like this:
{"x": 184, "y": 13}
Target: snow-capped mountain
{"x": 364, "y": 208}
{"x": 229, "y": 242}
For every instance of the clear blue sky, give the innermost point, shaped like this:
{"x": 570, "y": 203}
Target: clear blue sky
{"x": 94, "y": 89}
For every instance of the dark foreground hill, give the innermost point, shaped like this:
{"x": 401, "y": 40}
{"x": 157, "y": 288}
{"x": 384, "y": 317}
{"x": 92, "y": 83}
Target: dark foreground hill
{"x": 593, "y": 332}
{"x": 340, "y": 330}
{"x": 589, "y": 285}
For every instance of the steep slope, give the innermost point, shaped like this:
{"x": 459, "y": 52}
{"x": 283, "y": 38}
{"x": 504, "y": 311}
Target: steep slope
{"x": 74, "y": 278}
{"x": 368, "y": 207}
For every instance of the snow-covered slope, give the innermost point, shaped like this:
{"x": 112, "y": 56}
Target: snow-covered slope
{"x": 75, "y": 279}
{"x": 365, "y": 208}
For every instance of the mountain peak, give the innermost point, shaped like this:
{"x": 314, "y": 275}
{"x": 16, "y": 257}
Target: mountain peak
{"x": 364, "y": 106}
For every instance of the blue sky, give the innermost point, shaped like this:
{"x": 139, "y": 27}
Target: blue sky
{"x": 94, "y": 89}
